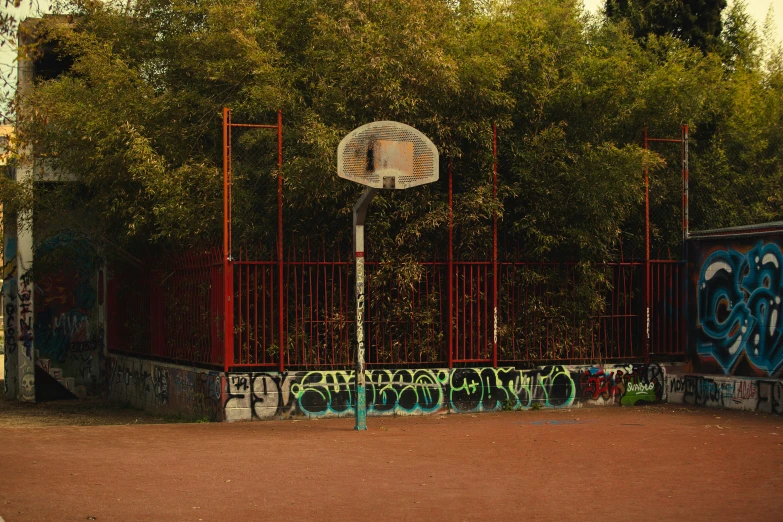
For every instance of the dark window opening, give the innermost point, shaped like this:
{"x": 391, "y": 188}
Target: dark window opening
{"x": 50, "y": 61}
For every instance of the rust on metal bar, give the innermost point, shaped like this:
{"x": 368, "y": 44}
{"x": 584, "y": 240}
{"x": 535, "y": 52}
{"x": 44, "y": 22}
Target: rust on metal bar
{"x": 253, "y": 126}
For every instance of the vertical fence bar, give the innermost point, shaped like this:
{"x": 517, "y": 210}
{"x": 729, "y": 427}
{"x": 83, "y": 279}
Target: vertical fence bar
{"x": 647, "y": 289}
{"x": 280, "y": 303}
{"x": 684, "y": 265}
{"x": 494, "y": 247}
{"x": 228, "y": 275}
{"x": 158, "y": 314}
{"x": 450, "y": 335}
{"x": 684, "y": 187}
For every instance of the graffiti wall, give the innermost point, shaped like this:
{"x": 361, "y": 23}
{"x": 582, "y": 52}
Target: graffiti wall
{"x": 10, "y": 368}
{"x": 66, "y": 332}
{"x": 315, "y": 394}
{"x": 165, "y": 388}
{"x": 733, "y": 393}
{"x": 735, "y": 306}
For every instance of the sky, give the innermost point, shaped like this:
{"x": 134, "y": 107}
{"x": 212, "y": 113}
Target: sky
{"x": 758, "y": 9}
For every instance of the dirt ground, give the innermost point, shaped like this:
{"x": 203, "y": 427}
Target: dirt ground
{"x": 645, "y": 463}
{"x": 88, "y": 412}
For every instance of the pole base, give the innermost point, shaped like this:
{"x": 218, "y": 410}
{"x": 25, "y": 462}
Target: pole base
{"x": 361, "y": 409}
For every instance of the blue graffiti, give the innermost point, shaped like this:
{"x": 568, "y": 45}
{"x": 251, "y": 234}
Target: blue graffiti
{"x": 66, "y": 319}
{"x": 738, "y": 298}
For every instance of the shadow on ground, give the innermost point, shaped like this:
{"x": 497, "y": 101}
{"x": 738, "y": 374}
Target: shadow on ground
{"x": 93, "y": 411}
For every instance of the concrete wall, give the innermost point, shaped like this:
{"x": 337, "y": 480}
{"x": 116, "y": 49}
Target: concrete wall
{"x": 10, "y": 309}
{"x": 726, "y": 392}
{"x": 165, "y": 388}
{"x": 316, "y": 394}
{"x": 177, "y": 390}
{"x": 20, "y": 293}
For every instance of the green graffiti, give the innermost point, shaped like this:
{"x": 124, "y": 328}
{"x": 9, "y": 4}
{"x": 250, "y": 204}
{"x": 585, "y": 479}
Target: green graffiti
{"x": 557, "y": 387}
{"x": 639, "y": 392}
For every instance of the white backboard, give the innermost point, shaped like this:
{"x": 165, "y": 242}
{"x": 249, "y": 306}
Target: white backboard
{"x": 387, "y": 154}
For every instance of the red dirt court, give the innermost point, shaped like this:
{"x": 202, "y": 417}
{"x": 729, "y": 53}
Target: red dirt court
{"x": 646, "y": 463}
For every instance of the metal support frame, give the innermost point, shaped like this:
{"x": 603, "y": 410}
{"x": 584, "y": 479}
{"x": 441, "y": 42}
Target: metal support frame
{"x": 450, "y": 261}
{"x": 228, "y": 273}
{"x": 647, "y": 282}
{"x": 494, "y": 247}
{"x": 685, "y": 236}
{"x": 683, "y": 141}
{"x": 280, "y": 303}
{"x": 228, "y": 261}
{"x": 359, "y": 216}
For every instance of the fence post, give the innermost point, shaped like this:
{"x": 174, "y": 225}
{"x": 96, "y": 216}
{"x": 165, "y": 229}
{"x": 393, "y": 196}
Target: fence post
{"x": 281, "y": 324}
{"x": 686, "y": 233}
{"x": 157, "y": 314}
{"x": 685, "y": 173}
{"x": 494, "y": 247}
{"x": 647, "y": 275}
{"x": 451, "y": 269}
{"x": 228, "y": 272}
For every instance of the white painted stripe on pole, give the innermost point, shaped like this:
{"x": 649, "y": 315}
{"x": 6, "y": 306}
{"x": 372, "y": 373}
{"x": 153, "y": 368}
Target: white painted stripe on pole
{"x": 359, "y": 238}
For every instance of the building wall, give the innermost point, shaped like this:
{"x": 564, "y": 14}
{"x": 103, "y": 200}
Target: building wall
{"x": 736, "y": 319}
{"x": 18, "y": 295}
{"x": 316, "y": 394}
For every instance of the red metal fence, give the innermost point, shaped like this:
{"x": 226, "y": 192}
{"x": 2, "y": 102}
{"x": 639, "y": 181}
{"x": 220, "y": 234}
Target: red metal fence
{"x": 547, "y": 313}
{"x": 173, "y": 312}
{"x": 450, "y": 313}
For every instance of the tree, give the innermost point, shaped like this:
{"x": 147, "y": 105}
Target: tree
{"x": 697, "y": 22}
{"x": 136, "y": 120}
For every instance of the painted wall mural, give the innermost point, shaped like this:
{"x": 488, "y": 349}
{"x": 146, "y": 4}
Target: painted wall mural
{"x": 318, "y": 394}
{"x": 67, "y": 296}
{"x": 738, "y": 321}
{"x": 165, "y": 388}
{"x": 66, "y": 331}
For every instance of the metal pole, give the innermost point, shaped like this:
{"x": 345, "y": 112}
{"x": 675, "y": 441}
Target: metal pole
{"x": 494, "y": 248}
{"x": 686, "y": 233}
{"x": 451, "y": 269}
{"x": 359, "y": 215}
{"x": 685, "y": 175}
{"x": 281, "y": 319}
{"x": 228, "y": 274}
{"x": 647, "y": 289}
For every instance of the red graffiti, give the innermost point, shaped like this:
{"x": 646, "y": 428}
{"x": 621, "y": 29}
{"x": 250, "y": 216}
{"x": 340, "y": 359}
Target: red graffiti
{"x": 744, "y": 390}
{"x": 598, "y": 383}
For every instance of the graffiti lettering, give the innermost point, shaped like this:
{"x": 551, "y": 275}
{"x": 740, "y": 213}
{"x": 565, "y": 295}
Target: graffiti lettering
{"x": 162, "y": 388}
{"x": 10, "y": 329}
{"x": 422, "y": 391}
{"x": 161, "y": 383}
{"x": 739, "y": 308}
{"x": 770, "y": 397}
{"x": 629, "y": 385}
{"x": 25, "y": 318}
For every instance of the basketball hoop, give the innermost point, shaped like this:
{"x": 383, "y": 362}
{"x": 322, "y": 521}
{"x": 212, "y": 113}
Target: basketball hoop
{"x": 380, "y": 155}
